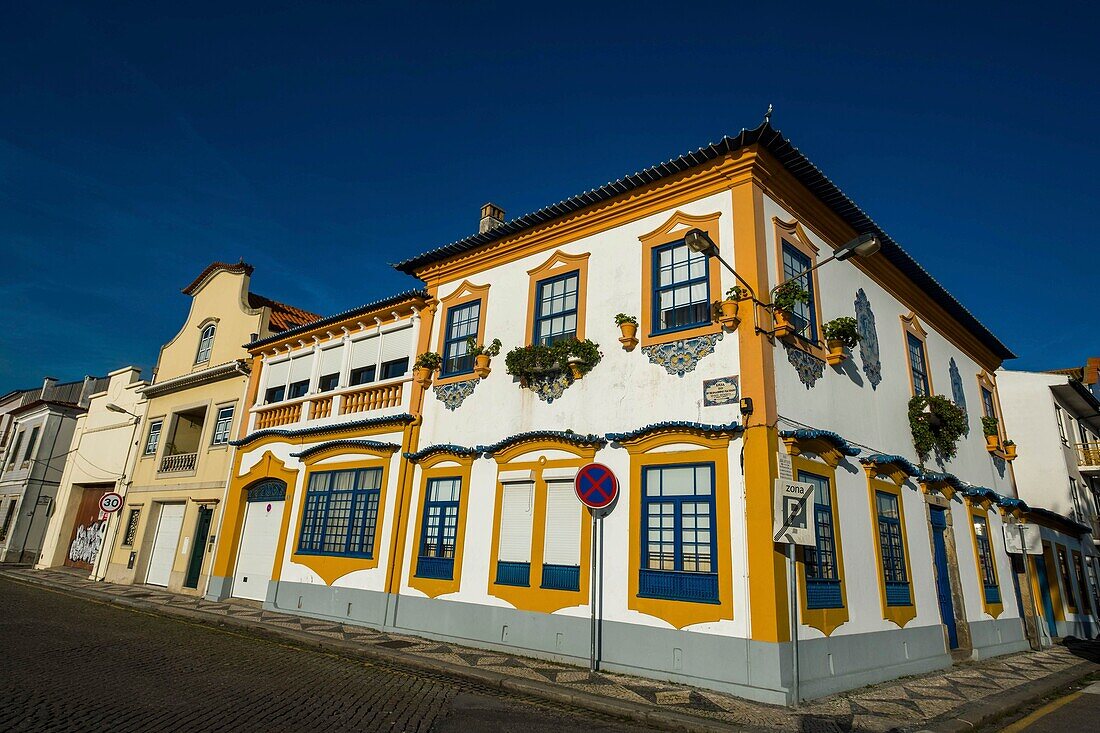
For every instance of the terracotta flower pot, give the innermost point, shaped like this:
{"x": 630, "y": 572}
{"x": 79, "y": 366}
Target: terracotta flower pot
{"x": 992, "y": 443}
{"x": 575, "y": 368}
{"x": 728, "y": 315}
{"x": 784, "y": 325}
{"x": 423, "y": 376}
{"x": 481, "y": 365}
{"x": 1010, "y": 452}
{"x": 836, "y": 355}
{"x": 629, "y": 339}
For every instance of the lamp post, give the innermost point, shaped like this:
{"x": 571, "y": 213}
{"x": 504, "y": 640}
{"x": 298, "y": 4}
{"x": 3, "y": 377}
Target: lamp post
{"x": 109, "y": 540}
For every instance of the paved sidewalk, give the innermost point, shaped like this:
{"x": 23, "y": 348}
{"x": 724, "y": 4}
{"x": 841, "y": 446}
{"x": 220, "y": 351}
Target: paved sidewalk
{"x": 938, "y": 701}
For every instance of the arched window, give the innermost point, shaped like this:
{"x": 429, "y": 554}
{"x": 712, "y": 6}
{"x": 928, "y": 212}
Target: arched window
{"x": 206, "y": 343}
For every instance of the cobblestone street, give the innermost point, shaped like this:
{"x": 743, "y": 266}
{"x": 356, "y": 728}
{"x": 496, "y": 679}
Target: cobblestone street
{"x": 70, "y": 664}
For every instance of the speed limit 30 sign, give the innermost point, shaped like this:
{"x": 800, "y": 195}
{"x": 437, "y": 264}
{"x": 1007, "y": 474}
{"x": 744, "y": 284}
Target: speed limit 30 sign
{"x": 110, "y": 502}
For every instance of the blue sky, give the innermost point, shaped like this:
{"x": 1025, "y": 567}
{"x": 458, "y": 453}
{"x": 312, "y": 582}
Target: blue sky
{"x": 320, "y": 141}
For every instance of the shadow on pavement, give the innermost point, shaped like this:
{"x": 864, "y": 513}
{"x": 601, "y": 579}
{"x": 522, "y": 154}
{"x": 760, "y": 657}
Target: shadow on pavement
{"x": 1083, "y": 648}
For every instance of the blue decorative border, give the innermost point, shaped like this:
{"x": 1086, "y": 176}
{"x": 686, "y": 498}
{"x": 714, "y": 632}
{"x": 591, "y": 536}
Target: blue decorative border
{"x": 345, "y": 443}
{"x": 827, "y": 435}
{"x": 732, "y": 427}
{"x": 881, "y": 459}
{"x": 457, "y": 450}
{"x": 402, "y": 419}
{"x": 574, "y": 438}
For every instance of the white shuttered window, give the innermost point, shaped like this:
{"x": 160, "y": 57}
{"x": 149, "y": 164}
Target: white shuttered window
{"x": 563, "y": 524}
{"x": 516, "y": 513}
{"x": 331, "y": 360}
{"x": 364, "y": 352}
{"x": 396, "y": 345}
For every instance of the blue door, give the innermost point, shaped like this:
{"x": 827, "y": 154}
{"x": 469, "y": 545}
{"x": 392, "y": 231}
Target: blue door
{"x": 1044, "y": 592}
{"x": 943, "y": 581}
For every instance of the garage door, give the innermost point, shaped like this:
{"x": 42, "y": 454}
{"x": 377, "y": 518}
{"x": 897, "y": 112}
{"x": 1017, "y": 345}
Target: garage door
{"x": 164, "y": 544}
{"x": 256, "y": 557}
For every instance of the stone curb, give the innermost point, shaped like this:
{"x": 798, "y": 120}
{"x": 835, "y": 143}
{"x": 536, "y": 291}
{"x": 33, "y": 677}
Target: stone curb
{"x": 976, "y": 715}
{"x": 626, "y": 709}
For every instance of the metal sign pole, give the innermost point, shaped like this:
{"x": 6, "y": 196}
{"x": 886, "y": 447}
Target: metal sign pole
{"x": 592, "y": 603}
{"x": 599, "y": 619}
{"x": 792, "y": 567}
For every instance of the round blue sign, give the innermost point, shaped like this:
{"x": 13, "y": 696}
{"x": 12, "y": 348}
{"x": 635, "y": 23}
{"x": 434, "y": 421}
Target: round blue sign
{"x": 596, "y": 486}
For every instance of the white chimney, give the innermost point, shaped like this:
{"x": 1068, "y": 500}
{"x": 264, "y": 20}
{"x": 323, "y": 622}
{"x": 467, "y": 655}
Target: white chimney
{"x": 47, "y": 386}
{"x": 492, "y": 216}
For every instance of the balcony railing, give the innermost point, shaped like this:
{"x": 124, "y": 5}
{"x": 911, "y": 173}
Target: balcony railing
{"x": 371, "y": 398}
{"x": 273, "y": 417}
{"x": 1088, "y": 454}
{"x": 319, "y": 408}
{"x": 178, "y": 462}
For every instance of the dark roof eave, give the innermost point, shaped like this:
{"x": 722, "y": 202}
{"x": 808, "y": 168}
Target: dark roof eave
{"x": 416, "y": 294}
{"x": 792, "y": 159}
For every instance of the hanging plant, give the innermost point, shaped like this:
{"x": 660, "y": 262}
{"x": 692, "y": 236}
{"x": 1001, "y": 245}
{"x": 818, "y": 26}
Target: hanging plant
{"x": 539, "y": 360}
{"x": 937, "y": 424}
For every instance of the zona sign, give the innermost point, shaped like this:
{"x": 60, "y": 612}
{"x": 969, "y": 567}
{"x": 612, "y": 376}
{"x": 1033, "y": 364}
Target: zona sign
{"x": 596, "y": 486}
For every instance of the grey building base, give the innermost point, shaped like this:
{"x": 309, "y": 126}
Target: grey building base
{"x": 218, "y": 588}
{"x": 997, "y": 637}
{"x": 754, "y": 670}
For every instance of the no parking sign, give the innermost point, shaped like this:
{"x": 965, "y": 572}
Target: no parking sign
{"x": 596, "y": 486}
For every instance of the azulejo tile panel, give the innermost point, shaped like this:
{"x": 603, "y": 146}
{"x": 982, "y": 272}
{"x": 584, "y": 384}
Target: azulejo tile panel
{"x": 868, "y": 342}
{"x": 681, "y": 357}
{"x": 551, "y": 387}
{"x": 809, "y": 367}
{"x": 957, "y": 392}
{"x": 452, "y": 395}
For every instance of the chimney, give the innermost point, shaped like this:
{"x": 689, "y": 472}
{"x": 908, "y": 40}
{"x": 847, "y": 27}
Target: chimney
{"x": 47, "y": 386}
{"x": 492, "y": 216}
{"x": 86, "y": 391}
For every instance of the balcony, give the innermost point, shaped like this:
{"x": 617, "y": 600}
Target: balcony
{"x": 347, "y": 401}
{"x": 1088, "y": 457}
{"x": 178, "y": 462}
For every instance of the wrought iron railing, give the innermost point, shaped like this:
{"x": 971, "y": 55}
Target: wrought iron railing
{"x": 513, "y": 573}
{"x": 178, "y": 462}
{"x": 678, "y": 585}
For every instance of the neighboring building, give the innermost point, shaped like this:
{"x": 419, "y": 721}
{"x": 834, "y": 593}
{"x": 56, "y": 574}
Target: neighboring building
{"x": 1055, "y": 420}
{"x": 189, "y": 414}
{"x": 476, "y": 536}
{"x": 8, "y": 403}
{"x": 97, "y": 462}
{"x": 41, "y": 430}
{"x": 331, "y": 415}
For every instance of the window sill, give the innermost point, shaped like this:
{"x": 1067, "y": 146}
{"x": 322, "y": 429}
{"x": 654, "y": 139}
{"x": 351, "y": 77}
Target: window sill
{"x": 350, "y": 555}
{"x": 653, "y": 338}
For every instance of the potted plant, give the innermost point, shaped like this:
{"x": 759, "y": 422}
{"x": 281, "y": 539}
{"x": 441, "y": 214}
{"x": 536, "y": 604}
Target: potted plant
{"x": 629, "y": 327}
{"x": 482, "y": 355}
{"x": 840, "y": 334}
{"x": 725, "y": 311}
{"x": 787, "y": 296}
{"x": 1009, "y": 448}
{"x": 937, "y": 424}
{"x": 537, "y": 361}
{"x": 992, "y": 435}
{"x": 423, "y": 367}
{"x": 580, "y": 356}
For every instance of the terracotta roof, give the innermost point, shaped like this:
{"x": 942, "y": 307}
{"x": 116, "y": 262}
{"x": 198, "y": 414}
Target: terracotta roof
{"x": 1077, "y": 373}
{"x": 283, "y": 316}
{"x": 241, "y": 266}
{"x": 328, "y": 320}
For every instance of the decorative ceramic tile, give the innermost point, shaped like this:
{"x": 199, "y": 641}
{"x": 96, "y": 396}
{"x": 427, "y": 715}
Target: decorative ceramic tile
{"x": 868, "y": 342}
{"x": 681, "y": 357}
{"x": 453, "y": 394}
{"x": 550, "y": 388}
{"x": 809, "y": 367}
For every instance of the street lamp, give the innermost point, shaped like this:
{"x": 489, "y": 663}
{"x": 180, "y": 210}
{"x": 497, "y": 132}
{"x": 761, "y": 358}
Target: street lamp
{"x": 700, "y": 242}
{"x": 864, "y": 245}
{"x": 115, "y": 408}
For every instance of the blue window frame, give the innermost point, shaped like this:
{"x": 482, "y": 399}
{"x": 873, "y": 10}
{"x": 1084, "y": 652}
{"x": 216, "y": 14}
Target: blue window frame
{"x": 341, "y": 510}
{"x": 892, "y": 550}
{"x": 681, "y": 288}
{"x": 679, "y": 558}
{"x": 794, "y": 262}
{"x": 822, "y": 576}
{"x": 556, "y": 309}
{"x": 918, "y": 366}
{"x": 988, "y": 408}
{"x": 395, "y": 368}
{"x": 462, "y": 323}
{"x": 439, "y": 529}
{"x": 985, "y": 559}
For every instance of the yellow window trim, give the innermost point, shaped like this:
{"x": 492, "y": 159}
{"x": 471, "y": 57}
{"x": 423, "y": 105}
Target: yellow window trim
{"x": 229, "y": 540}
{"x": 672, "y": 230}
{"x": 825, "y": 620}
{"x": 330, "y": 567}
{"x": 981, "y": 509}
{"x": 793, "y": 234}
{"x": 715, "y": 449}
{"x": 911, "y": 324}
{"x": 558, "y": 264}
{"x": 934, "y": 487}
{"x": 900, "y": 615}
{"x": 819, "y": 447}
{"x": 465, "y": 293}
{"x": 986, "y": 380}
{"x": 533, "y": 597}
{"x": 441, "y": 465}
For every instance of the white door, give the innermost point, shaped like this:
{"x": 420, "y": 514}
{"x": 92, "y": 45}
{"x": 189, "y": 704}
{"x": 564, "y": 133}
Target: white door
{"x": 164, "y": 544}
{"x": 256, "y": 557}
